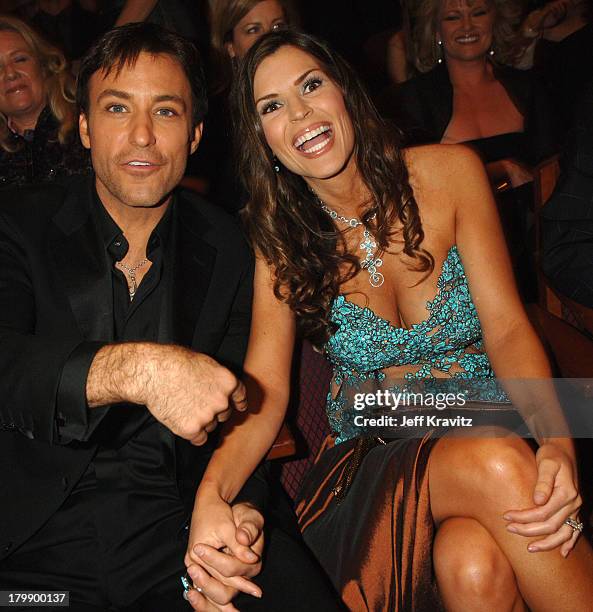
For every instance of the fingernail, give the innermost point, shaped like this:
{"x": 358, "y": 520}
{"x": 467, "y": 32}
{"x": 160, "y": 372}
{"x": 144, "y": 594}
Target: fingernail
{"x": 532, "y": 548}
{"x": 506, "y": 517}
{"x": 512, "y": 529}
{"x": 192, "y": 572}
{"x": 256, "y": 594}
{"x": 252, "y": 556}
{"x": 564, "y": 553}
{"x": 199, "y": 551}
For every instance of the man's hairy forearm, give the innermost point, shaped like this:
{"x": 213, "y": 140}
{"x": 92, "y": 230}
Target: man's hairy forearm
{"x": 121, "y": 373}
{"x": 187, "y": 392}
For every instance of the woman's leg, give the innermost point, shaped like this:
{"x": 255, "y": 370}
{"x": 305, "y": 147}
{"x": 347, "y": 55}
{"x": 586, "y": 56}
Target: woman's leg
{"x": 482, "y": 478}
{"x": 472, "y": 572}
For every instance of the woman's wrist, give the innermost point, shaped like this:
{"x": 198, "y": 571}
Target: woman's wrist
{"x": 209, "y": 490}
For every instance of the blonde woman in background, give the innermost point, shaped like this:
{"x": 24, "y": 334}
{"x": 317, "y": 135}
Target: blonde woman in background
{"x": 38, "y": 120}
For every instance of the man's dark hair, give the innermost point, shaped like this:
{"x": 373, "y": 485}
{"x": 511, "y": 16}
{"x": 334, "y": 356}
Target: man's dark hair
{"x": 121, "y": 47}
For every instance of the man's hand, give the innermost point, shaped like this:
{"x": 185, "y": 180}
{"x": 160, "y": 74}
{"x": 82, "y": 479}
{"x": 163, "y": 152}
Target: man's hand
{"x": 224, "y": 551}
{"x": 188, "y": 392}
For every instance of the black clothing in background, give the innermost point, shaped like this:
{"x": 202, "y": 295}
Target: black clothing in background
{"x": 566, "y": 67}
{"x": 215, "y": 159}
{"x": 186, "y": 17}
{"x": 422, "y": 107}
{"x": 567, "y": 217}
{"x": 73, "y": 30}
{"x": 358, "y": 30}
{"x": 40, "y": 158}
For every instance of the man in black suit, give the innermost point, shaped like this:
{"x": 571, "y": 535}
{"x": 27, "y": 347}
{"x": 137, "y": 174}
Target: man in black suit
{"x": 124, "y": 310}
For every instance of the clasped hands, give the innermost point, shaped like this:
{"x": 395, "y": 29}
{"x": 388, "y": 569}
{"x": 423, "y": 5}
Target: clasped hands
{"x": 556, "y": 498}
{"x": 224, "y": 551}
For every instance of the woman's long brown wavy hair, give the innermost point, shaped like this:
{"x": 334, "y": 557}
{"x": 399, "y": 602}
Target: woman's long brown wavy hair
{"x": 59, "y": 82}
{"x": 283, "y": 218}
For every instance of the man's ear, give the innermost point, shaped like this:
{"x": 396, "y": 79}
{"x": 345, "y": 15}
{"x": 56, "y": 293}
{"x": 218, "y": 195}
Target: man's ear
{"x": 230, "y": 49}
{"x": 197, "y": 136}
{"x": 83, "y": 130}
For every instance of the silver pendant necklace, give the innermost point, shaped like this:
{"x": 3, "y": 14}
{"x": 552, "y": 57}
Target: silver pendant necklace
{"x": 132, "y": 285}
{"x": 368, "y": 245}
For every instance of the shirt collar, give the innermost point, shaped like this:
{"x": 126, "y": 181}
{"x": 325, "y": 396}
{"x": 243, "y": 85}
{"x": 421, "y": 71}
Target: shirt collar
{"x": 113, "y": 237}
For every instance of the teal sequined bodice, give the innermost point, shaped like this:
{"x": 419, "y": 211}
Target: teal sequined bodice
{"x": 447, "y": 343}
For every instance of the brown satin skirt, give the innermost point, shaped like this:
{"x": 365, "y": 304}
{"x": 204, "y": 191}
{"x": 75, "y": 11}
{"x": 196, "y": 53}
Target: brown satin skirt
{"x": 372, "y": 530}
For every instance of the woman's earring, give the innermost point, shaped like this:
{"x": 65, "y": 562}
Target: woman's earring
{"x": 440, "y": 51}
{"x": 491, "y": 52}
{"x": 275, "y": 164}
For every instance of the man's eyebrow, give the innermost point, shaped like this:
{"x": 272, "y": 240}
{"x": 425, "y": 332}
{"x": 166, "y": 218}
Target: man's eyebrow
{"x": 124, "y": 95}
{"x": 298, "y": 81}
{"x": 114, "y": 93}
{"x": 170, "y": 98}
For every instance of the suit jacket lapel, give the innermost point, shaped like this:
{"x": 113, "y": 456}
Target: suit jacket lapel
{"x": 192, "y": 264}
{"x": 81, "y": 262}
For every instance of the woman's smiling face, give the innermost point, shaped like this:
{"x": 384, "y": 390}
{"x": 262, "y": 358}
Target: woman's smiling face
{"x": 22, "y": 88}
{"x": 303, "y": 115}
{"x": 465, "y": 28}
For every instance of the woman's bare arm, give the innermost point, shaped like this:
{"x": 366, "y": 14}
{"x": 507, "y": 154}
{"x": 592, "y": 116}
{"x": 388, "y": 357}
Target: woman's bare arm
{"x": 247, "y": 439}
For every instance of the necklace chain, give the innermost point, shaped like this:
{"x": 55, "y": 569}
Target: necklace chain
{"x": 368, "y": 245}
{"x": 133, "y": 285}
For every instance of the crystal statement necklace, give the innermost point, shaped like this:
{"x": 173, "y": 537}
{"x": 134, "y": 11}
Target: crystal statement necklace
{"x": 368, "y": 245}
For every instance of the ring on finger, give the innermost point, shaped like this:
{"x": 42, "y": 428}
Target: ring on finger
{"x": 575, "y": 524}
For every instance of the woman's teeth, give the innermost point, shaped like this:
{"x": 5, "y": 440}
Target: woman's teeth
{"x": 467, "y": 39}
{"x": 301, "y": 140}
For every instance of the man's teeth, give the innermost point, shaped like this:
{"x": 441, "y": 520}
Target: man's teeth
{"x": 301, "y": 140}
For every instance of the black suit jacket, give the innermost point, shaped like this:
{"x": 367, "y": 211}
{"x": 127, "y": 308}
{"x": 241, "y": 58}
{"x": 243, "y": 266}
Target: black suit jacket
{"x": 56, "y": 310}
{"x": 422, "y": 107}
{"x": 567, "y": 217}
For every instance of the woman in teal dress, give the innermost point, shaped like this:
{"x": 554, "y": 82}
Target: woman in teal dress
{"x": 393, "y": 262}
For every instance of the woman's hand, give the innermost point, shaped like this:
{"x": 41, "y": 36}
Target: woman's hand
{"x": 556, "y": 497}
{"x": 224, "y": 551}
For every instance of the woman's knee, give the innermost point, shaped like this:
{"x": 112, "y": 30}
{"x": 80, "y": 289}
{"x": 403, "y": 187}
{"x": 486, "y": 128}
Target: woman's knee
{"x": 469, "y": 564}
{"x": 487, "y": 465}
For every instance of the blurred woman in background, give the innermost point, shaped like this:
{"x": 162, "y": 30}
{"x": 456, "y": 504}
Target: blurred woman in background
{"x": 38, "y": 120}
{"x": 466, "y": 94}
{"x": 234, "y": 26}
